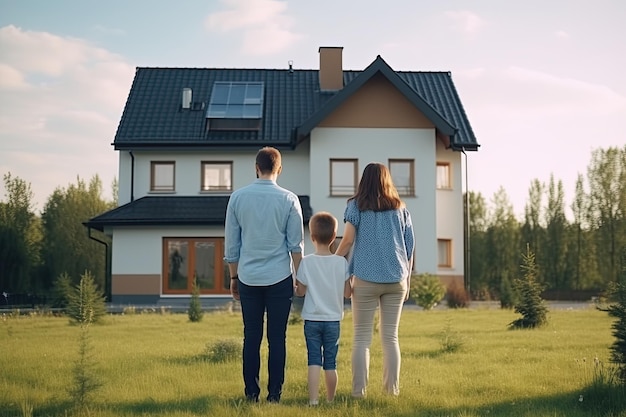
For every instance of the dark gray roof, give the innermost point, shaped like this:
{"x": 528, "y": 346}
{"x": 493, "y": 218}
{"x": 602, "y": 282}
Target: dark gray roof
{"x": 293, "y": 105}
{"x": 168, "y": 210}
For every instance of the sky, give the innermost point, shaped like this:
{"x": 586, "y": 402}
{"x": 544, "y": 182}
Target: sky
{"x": 543, "y": 83}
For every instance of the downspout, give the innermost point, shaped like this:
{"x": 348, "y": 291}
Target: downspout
{"x": 467, "y": 227}
{"x": 107, "y": 265}
{"x": 132, "y": 176}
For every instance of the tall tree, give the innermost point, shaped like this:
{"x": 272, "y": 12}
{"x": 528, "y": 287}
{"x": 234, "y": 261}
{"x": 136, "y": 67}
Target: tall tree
{"x": 20, "y": 237}
{"x": 532, "y": 230}
{"x": 479, "y": 264}
{"x": 554, "y": 254}
{"x": 605, "y": 174}
{"x": 68, "y": 248}
{"x": 503, "y": 235}
{"x": 582, "y": 266}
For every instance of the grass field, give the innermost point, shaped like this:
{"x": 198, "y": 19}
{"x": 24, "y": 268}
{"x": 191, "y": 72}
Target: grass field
{"x": 461, "y": 363}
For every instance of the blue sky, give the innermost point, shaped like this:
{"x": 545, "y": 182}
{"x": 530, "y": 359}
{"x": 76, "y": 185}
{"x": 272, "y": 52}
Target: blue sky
{"x": 542, "y": 82}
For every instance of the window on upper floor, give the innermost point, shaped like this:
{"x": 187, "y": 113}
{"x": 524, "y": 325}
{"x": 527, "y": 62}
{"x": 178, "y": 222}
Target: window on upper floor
{"x": 444, "y": 253}
{"x": 162, "y": 176}
{"x": 403, "y": 174}
{"x": 343, "y": 177}
{"x": 217, "y": 176}
{"x": 201, "y": 258}
{"x": 443, "y": 176}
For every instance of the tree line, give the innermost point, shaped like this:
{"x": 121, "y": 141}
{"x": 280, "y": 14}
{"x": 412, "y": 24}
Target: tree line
{"x": 581, "y": 253}
{"x": 35, "y": 250}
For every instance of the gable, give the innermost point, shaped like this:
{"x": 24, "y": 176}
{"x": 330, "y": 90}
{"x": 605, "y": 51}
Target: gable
{"x": 377, "y": 104}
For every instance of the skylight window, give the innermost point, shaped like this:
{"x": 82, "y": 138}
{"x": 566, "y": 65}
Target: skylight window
{"x": 236, "y": 100}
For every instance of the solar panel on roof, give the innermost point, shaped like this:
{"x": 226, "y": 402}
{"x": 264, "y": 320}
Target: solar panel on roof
{"x": 236, "y": 100}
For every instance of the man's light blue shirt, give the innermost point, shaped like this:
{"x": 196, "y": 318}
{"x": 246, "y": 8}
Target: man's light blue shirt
{"x": 263, "y": 226}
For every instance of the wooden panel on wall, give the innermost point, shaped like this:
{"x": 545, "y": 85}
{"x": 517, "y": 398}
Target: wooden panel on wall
{"x": 122, "y": 284}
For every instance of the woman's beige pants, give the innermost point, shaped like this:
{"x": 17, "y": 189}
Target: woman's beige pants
{"x": 366, "y": 298}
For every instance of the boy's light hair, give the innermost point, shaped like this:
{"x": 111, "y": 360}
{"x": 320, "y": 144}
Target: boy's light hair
{"x": 323, "y": 227}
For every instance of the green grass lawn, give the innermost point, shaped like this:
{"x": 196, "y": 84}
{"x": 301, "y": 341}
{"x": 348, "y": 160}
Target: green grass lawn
{"x": 156, "y": 365}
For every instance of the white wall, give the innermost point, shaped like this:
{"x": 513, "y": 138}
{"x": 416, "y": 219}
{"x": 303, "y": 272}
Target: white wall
{"x": 379, "y": 145}
{"x": 306, "y": 171}
{"x": 139, "y": 250}
{"x": 188, "y": 171}
{"x": 450, "y": 221}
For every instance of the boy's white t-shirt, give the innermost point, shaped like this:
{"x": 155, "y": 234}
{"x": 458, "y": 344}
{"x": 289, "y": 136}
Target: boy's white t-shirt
{"x": 324, "y": 277}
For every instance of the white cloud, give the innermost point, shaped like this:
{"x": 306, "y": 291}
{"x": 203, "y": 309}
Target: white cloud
{"x": 264, "y": 25}
{"x": 60, "y": 104}
{"x": 467, "y": 21}
{"x": 11, "y": 78}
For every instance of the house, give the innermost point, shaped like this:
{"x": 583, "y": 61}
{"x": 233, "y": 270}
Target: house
{"x": 188, "y": 137}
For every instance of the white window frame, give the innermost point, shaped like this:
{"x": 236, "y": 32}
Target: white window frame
{"x": 444, "y": 253}
{"x": 341, "y": 185}
{"x": 162, "y": 176}
{"x": 217, "y": 179}
{"x": 405, "y": 184}
{"x": 444, "y": 176}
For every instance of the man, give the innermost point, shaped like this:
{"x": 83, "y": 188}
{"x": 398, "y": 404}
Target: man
{"x": 264, "y": 245}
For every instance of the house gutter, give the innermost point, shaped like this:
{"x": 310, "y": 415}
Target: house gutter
{"x": 107, "y": 268}
{"x": 467, "y": 226}
{"x": 132, "y": 176}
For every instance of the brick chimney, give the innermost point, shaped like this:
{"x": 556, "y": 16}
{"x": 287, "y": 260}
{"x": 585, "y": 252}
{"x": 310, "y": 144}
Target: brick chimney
{"x": 331, "y": 68}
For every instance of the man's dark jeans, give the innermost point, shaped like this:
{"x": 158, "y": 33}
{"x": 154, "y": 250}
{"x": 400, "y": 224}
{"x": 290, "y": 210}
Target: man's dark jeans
{"x": 255, "y": 302}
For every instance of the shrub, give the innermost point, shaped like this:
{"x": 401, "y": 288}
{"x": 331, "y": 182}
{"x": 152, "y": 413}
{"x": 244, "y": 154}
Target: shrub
{"x": 530, "y": 304}
{"x": 223, "y": 350}
{"x": 457, "y": 296}
{"x": 427, "y": 290}
{"x": 195, "y": 307}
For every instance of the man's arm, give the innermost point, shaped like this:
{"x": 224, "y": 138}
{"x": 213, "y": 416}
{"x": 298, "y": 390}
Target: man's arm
{"x": 234, "y": 280}
{"x": 296, "y": 257}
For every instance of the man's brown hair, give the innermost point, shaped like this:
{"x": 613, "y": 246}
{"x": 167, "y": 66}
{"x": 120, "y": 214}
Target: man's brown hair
{"x": 323, "y": 227}
{"x": 268, "y": 160}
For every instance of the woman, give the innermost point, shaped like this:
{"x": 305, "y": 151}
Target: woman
{"x": 379, "y": 232}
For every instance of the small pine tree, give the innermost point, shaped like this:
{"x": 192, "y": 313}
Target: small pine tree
{"x": 85, "y": 304}
{"x": 195, "y": 307}
{"x": 529, "y": 304}
{"x": 427, "y": 291}
{"x": 617, "y": 309}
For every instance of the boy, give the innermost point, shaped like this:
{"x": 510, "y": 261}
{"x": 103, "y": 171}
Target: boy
{"x": 325, "y": 279}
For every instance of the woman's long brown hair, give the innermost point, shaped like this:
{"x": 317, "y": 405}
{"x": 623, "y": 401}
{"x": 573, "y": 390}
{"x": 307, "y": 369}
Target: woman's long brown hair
{"x": 376, "y": 190}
